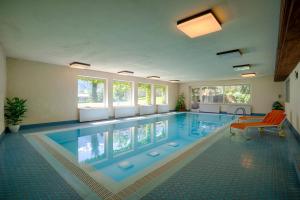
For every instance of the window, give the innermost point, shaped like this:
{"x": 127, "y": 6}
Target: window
{"x": 231, "y": 94}
{"x": 144, "y": 133}
{"x": 122, "y": 140}
{"x": 91, "y": 147}
{"x": 195, "y": 94}
{"x": 122, "y": 93}
{"x": 212, "y": 94}
{"x": 91, "y": 92}
{"x": 144, "y": 94}
{"x": 287, "y": 91}
{"x": 239, "y": 94}
{"x": 161, "y": 130}
{"x": 160, "y": 94}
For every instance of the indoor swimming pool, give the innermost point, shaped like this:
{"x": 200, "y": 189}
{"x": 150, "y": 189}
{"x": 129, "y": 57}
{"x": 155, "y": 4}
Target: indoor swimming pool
{"x": 119, "y": 153}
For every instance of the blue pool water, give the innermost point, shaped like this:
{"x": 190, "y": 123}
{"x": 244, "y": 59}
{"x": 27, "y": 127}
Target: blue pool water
{"x": 105, "y": 147}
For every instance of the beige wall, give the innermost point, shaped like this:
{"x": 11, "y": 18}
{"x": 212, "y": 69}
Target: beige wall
{"x": 2, "y": 88}
{"x": 51, "y": 90}
{"x": 264, "y": 91}
{"x": 293, "y": 106}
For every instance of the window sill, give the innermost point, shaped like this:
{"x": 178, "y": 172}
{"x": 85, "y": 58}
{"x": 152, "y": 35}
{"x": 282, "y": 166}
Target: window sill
{"x": 123, "y": 106}
{"x": 227, "y": 104}
{"x": 94, "y": 107}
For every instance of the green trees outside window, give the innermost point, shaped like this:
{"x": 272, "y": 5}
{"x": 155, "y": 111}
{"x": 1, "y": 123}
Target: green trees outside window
{"x": 122, "y": 93}
{"x": 122, "y": 140}
{"x": 90, "y": 91}
{"x": 144, "y": 94}
{"x": 237, "y": 94}
{"x": 160, "y": 94}
{"x": 212, "y": 94}
{"x": 144, "y": 134}
{"x": 228, "y": 94}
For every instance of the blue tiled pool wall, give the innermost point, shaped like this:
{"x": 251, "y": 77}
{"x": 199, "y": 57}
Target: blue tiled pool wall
{"x": 26, "y": 127}
{"x": 180, "y": 125}
{"x": 182, "y": 128}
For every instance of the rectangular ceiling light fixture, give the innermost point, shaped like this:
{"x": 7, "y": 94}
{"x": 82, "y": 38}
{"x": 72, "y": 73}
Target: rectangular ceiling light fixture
{"x": 235, "y": 53}
{"x": 174, "y": 81}
{"x": 248, "y": 75}
{"x": 79, "y": 65}
{"x": 153, "y": 77}
{"x": 241, "y": 67}
{"x": 200, "y": 24}
{"x": 125, "y": 72}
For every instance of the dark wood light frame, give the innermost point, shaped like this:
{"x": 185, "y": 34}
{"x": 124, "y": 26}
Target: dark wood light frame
{"x": 153, "y": 77}
{"x": 229, "y": 52}
{"x": 181, "y": 21}
{"x": 126, "y": 71}
{"x": 80, "y": 63}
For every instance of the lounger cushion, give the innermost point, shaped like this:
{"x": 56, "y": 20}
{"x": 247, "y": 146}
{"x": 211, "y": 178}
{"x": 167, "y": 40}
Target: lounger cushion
{"x": 250, "y": 124}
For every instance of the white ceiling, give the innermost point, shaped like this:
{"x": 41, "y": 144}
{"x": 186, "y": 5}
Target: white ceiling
{"x": 141, "y": 35}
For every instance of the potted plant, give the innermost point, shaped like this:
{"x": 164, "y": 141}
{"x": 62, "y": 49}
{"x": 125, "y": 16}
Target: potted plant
{"x": 180, "y": 105}
{"x": 277, "y": 106}
{"x": 15, "y": 109}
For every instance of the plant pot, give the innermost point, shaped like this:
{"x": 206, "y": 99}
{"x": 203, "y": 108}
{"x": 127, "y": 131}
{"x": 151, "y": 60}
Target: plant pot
{"x": 13, "y": 128}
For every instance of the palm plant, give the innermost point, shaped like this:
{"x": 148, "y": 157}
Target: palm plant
{"x": 180, "y": 105}
{"x": 15, "y": 110}
{"x": 277, "y": 106}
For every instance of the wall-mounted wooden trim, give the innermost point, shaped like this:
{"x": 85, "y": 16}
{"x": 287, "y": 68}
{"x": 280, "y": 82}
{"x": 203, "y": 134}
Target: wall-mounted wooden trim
{"x": 288, "y": 53}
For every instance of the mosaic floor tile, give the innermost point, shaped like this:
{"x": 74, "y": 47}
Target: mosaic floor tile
{"x": 24, "y": 174}
{"x": 232, "y": 168}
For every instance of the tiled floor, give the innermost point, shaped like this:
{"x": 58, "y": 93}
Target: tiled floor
{"x": 232, "y": 168}
{"x": 235, "y": 169}
{"x": 24, "y": 174}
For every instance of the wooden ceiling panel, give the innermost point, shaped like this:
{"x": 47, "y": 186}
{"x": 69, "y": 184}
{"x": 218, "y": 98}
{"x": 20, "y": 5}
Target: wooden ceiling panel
{"x": 288, "y": 52}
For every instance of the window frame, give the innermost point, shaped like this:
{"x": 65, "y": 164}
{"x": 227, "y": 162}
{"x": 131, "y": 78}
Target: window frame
{"x": 287, "y": 90}
{"x": 105, "y": 91}
{"x": 250, "y": 100}
{"x": 151, "y": 94}
{"x": 211, "y": 86}
{"x": 223, "y": 101}
{"x": 167, "y": 93}
{"x": 131, "y": 102}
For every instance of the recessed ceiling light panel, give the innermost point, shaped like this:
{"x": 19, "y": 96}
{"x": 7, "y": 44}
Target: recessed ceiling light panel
{"x": 153, "y": 77}
{"x": 199, "y": 24}
{"x": 241, "y": 67}
{"x": 79, "y": 65}
{"x": 248, "y": 75}
{"x": 125, "y": 72}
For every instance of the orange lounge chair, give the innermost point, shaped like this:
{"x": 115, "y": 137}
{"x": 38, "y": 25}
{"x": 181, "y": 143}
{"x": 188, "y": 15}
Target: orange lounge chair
{"x": 246, "y": 118}
{"x": 273, "y": 112}
{"x": 272, "y": 119}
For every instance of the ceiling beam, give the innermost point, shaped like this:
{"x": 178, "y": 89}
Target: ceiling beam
{"x": 288, "y": 54}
